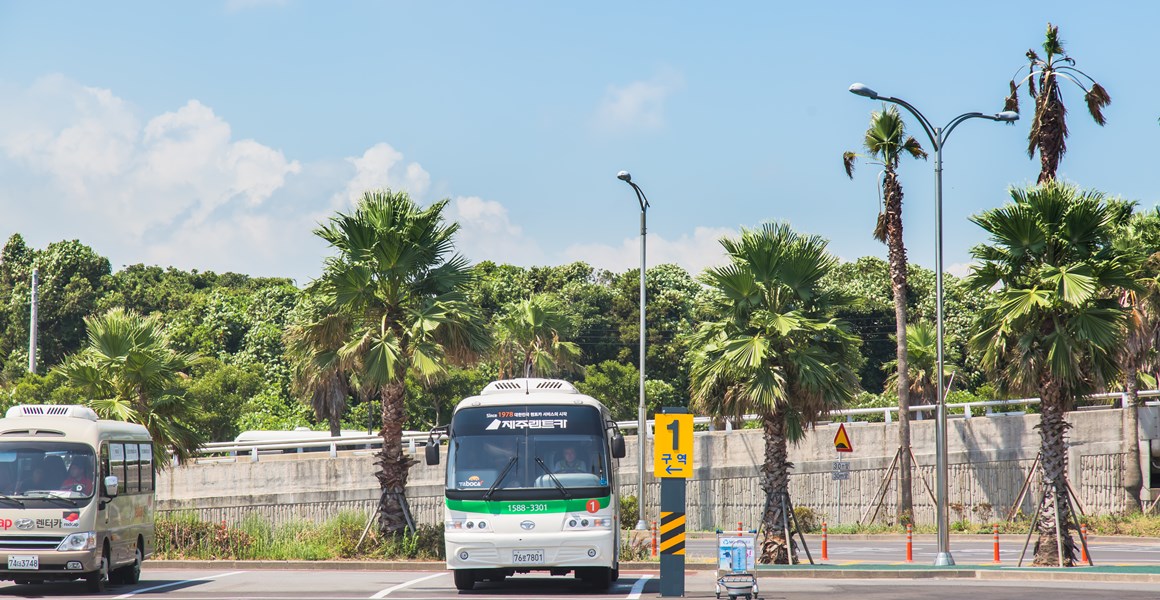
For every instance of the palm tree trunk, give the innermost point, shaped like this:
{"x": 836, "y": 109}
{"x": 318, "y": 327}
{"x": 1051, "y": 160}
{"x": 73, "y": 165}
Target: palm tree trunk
{"x": 775, "y": 483}
{"x": 392, "y": 462}
{"x": 896, "y": 252}
{"x": 1132, "y": 477}
{"x": 1056, "y": 508}
{"x": 1049, "y": 111}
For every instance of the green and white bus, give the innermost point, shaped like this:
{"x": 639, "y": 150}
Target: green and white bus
{"x": 76, "y": 496}
{"x": 531, "y": 484}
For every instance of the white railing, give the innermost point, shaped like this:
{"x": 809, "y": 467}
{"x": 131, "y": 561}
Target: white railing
{"x": 229, "y": 451}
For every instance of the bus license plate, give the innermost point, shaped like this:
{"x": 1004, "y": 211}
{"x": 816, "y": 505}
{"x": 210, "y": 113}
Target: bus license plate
{"x": 528, "y": 557}
{"x": 24, "y": 563}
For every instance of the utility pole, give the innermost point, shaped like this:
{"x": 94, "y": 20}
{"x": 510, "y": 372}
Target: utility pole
{"x": 32, "y": 322}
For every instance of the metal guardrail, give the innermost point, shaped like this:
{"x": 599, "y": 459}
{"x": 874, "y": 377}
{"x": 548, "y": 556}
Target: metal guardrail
{"x": 414, "y": 440}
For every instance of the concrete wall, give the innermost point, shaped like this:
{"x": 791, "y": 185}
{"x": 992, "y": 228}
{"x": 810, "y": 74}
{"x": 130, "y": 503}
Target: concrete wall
{"x": 989, "y": 458}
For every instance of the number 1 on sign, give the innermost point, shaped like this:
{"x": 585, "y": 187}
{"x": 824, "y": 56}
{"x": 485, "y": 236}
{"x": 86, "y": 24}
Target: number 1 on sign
{"x": 675, "y": 428}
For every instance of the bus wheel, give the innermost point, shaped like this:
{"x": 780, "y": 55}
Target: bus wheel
{"x": 100, "y": 578}
{"x": 597, "y": 577}
{"x": 464, "y": 580}
{"x": 130, "y": 573}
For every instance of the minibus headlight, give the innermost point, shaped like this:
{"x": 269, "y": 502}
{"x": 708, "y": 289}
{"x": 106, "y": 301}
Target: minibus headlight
{"x": 86, "y": 540}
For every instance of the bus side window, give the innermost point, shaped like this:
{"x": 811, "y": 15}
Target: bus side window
{"x": 103, "y": 468}
{"x": 132, "y": 469}
{"x": 117, "y": 462}
{"x": 148, "y": 477}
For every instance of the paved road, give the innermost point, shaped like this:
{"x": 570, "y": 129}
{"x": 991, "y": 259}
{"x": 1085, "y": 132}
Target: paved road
{"x": 966, "y": 551}
{"x": 297, "y": 585}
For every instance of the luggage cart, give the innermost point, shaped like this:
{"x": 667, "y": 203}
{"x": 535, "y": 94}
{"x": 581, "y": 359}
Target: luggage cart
{"x": 736, "y": 564}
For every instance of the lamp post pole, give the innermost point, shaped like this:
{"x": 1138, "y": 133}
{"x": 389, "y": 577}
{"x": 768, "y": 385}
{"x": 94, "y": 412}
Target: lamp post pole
{"x": 938, "y": 137}
{"x": 642, "y": 416}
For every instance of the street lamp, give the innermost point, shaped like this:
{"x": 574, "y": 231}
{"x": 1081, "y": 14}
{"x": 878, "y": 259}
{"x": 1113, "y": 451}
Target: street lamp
{"x": 641, "y": 425}
{"x": 938, "y": 137}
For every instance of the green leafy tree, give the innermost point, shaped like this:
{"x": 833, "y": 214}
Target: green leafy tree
{"x": 396, "y": 277}
{"x": 1049, "y": 123}
{"x": 529, "y": 339}
{"x": 774, "y": 349}
{"x": 1140, "y": 242}
{"x": 922, "y": 361}
{"x": 129, "y": 373}
{"x": 887, "y": 143}
{"x": 1052, "y": 329}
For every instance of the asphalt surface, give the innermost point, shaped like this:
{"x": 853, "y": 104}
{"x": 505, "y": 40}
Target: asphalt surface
{"x": 221, "y": 584}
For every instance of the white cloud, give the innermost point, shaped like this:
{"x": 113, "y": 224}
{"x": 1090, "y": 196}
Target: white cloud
{"x": 177, "y": 187}
{"x": 487, "y": 233}
{"x": 692, "y": 252}
{"x": 959, "y": 269}
{"x": 640, "y": 105}
{"x": 379, "y": 167}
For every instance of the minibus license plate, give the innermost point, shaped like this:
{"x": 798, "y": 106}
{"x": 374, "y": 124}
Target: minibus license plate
{"x": 528, "y": 557}
{"x": 24, "y": 563}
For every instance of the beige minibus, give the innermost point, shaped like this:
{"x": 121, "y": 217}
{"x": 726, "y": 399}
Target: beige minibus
{"x": 76, "y": 496}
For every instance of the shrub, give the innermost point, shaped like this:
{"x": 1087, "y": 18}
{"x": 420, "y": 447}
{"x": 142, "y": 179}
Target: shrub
{"x": 808, "y": 520}
{"x": 629, "y": 512}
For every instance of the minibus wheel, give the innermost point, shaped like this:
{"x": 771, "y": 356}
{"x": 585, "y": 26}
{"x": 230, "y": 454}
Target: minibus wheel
{"x": 464, "y": 580}
{"x": 97, "y": 581}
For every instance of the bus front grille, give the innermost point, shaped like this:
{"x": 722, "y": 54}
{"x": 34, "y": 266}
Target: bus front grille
{"x": 30, "y": 542}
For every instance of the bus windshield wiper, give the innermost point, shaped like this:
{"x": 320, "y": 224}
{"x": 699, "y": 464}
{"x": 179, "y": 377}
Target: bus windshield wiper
{"x": 491, "y": 490}
{"x": 559, "y": 485}
{"x": 48, "y": 494}
{"x": 16, "y": 501}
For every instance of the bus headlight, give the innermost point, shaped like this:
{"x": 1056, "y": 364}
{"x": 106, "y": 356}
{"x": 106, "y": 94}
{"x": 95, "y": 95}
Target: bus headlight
{"x": 587, "y": 523}
{"x": 464, "y": 525}
{"x": 86, "y": 540}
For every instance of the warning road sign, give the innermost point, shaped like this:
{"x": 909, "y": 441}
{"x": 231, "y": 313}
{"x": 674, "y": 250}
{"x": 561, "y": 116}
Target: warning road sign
{"x": 842, "y": 441}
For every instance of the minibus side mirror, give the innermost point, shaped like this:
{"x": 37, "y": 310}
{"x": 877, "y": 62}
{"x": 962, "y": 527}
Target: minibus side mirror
{"x": 617, "y": 446}
{"x": 432, "y": 450}
{"x": 111, "y": 486}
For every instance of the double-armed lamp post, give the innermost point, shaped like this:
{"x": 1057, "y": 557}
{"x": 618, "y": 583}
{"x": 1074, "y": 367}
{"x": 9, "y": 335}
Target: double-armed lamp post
{"x": 642, "y": 424}
{"x": 938, "y": 137}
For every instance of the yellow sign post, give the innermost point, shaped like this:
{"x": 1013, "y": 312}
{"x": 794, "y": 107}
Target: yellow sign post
{"x": 673, "y": 445}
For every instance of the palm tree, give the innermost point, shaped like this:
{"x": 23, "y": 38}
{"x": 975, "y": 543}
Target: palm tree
{"x": 922, "y": 362}
{"x": 773, "y": 348}
{"x": 1049, "y": 127}
{"x": 886, "y": 141}
{"x": 129, "y": 373}
{"x": 313, "y": 350}
{"x": 1051, "y": 329}
{"x": 397, "y": 280}
{"x": 1139, "y": 240}
{"x": 528, "y": 339}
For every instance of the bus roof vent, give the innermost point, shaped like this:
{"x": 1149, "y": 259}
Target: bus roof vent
{"x": 52, "y": 410}
{"x": 529, "y": 386}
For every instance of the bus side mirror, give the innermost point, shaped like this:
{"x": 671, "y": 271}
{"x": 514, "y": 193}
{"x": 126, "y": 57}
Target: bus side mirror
{"x": 111, "y": 486}
{"x": 618, "y": 446}
{"x": 432, "y": 450}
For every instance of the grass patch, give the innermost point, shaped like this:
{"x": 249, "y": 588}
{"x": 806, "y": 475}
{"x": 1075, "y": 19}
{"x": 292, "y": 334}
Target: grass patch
{"x": 185, "y": 536}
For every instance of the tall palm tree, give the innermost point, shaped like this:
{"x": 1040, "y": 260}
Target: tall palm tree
{"x": 887, "y": 142}
{"x": 773, "y": 348}
{"x": 1052, "y": 328}
{"x": 528, "y": 339}
{"x": 1140, "y": 240}
{"x": 399, "y": 282}
{"x": 313, "y": 350}
{"x": 1049, "y": 126}
{"x": 922, "y": 362}
{"x": 130, "y": 373}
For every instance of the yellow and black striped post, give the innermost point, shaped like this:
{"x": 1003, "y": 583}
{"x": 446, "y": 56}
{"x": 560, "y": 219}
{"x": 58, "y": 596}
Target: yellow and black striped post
{"x": 672, "y": 533}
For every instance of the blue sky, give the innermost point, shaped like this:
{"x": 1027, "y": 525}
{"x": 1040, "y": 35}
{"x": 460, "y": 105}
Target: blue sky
{"x": 216, "y": 134}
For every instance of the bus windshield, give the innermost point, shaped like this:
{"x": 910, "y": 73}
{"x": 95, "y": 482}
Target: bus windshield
{"x": 559, "y": 451}
{"x": 47, "y": 470}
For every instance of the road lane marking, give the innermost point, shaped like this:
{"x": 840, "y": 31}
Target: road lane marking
{"x": 386, "y": 592}
{"x": 177, "y": 583}
{"x": 638, "y": 587}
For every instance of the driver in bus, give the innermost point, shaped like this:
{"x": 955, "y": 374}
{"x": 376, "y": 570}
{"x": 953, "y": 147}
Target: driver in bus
{"x": 78, "y": 479}
{"x": 570, "y": 463}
